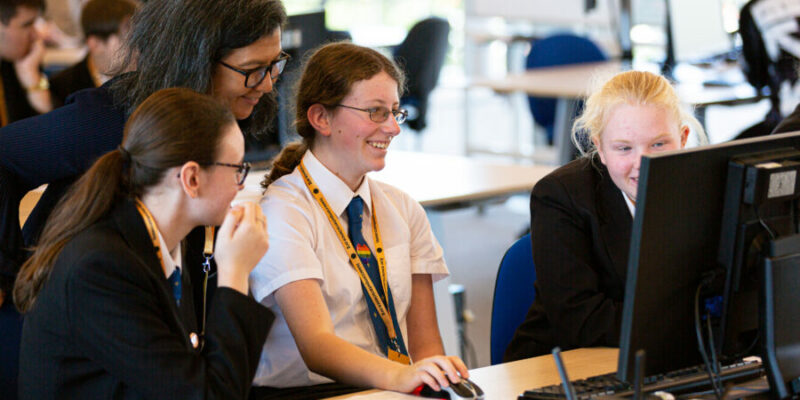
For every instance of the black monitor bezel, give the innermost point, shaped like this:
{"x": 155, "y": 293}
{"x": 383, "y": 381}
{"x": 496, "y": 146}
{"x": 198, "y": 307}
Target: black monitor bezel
{"x": 685, "y": 189}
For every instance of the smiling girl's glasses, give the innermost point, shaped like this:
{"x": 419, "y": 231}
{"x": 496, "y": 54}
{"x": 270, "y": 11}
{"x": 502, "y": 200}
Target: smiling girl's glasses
{"x": 381, "y": 114}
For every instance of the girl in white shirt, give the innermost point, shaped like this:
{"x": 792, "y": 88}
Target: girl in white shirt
{"x": 333, "y": 323}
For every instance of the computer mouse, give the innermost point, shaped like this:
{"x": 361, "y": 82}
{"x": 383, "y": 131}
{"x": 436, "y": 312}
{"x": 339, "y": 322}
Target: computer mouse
{"x": 466, "y": 389}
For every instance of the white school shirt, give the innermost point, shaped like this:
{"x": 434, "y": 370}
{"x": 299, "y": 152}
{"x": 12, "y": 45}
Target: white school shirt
{"x": 171, "y": 260}
{"x": 631, "y": 205}
{"x": 303, "y": 245}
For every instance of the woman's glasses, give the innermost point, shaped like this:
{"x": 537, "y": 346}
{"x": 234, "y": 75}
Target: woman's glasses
{"x": 254, "y": 77}
{"x": 381, "y": 114}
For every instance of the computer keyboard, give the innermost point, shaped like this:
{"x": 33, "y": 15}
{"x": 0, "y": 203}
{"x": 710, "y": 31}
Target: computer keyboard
{"x": 679, "y": 381}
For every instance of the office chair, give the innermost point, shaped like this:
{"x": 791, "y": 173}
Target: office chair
{"x": 421, "y": 56}
{"x": 513, "y": 295}
{"x": 558, "y": 49}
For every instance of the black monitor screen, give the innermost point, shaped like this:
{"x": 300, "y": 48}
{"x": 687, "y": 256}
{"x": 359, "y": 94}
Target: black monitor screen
{"x": 675, "y": 244}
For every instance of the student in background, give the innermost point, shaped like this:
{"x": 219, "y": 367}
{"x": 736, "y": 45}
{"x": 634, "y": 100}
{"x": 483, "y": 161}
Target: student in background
{"x": 581, "y": 214}
{"x": 24, "y": 89}
{"x": 330, "y": 324}
{"x": 106, "y": 315}
{"x": 105, "y": 23}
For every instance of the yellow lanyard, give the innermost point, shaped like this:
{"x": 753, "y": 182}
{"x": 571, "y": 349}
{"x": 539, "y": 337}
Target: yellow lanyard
{"x": 208, "y": 253}
{"x": 381, "y": 304}
{"x": 150, "y": 224}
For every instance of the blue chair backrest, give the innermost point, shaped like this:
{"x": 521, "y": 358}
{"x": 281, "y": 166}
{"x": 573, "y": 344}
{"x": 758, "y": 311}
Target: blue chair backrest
{"x": 513, "y": 295}
{"x": 558, "y": 49}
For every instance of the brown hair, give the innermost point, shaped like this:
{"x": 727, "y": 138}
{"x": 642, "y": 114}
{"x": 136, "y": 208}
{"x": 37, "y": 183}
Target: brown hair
{"x": 171, "y": 127}
{"x": 8, "y": 8}
{"x": 103, "y": 18}
{"x": 327, "y": 78}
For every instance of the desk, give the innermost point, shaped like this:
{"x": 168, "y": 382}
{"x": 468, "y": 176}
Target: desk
{"x": 569, "y": 83}
{"x": 29, "y": 202}
{"x": 509, "y": 380}
{"x": 440, "y": 183}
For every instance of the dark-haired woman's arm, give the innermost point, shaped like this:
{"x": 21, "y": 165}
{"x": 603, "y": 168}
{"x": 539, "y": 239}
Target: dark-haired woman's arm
{"x": 55, "y": 146}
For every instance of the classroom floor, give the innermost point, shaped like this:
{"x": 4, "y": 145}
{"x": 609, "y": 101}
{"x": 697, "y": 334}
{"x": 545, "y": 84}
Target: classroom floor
{"x": 475, "y": 240}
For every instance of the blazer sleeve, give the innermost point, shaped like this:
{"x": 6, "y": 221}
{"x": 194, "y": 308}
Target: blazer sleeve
{"x": 56, "y": 146}
{"x": 579, "y": 313}
{"x": 118, "y": 321}
{"x": 63, "y": 142}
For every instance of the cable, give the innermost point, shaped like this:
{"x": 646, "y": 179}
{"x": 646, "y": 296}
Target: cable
{"x": 764, "y": 223}
{"x": 714, "y": 360}
{"x": 700, "y": 343}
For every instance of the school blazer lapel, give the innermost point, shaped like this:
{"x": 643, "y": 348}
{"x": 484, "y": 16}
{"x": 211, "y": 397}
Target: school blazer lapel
{"x": 131, "y": 227}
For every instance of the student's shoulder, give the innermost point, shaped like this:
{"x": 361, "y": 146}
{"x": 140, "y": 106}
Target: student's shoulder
{"x": 576, "y": 174}
{"x": 99, "y": 241}
{"x": 288, "y": 190}
{"x": 393, "y": 194}
{"x": 97, "y": 253}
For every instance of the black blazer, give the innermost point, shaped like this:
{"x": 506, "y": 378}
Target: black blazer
{"x": 71, "y": 80}
{"x": 581, "y": 228}
{"x": 106, "y": 325}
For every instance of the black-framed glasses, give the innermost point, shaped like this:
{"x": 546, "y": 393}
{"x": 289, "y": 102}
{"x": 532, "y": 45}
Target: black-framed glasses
{"x": 381, "y": 114}
{"x": 254, "y": 77}
{"x": 241, "y": 170}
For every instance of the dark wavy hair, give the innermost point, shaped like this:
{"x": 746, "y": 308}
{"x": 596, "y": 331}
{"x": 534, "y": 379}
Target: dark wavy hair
{"x": 177, "y": 43}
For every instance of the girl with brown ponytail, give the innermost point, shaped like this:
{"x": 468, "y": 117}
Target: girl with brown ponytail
{"x": 109, "y": 311}
{"x": 350, "y": 273}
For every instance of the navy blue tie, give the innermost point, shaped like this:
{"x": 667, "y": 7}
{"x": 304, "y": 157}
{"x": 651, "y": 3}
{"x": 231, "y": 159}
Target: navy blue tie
{"x": 355, "y": 212}
{"x": 174, "y": 281}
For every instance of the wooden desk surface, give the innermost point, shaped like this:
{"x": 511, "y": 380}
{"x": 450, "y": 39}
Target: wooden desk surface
{"x": 28, "y": 202}
{"x": 577, "y": 80}
{"x": 436, "y": 180}
{"x": 509, "y": 380}
{"x": 571, "y": 81}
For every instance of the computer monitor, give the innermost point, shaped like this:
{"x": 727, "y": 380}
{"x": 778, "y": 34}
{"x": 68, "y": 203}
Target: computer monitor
{"x": 675, "y": 244}
{"x": 303, "y": 33}
{"x": 695, "y": 31}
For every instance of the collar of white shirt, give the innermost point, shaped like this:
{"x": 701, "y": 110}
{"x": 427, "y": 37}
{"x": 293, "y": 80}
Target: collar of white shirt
{"x": 631, "y": 204}
{"x": 336, "y": 191}
{"x": 171, "y": 260}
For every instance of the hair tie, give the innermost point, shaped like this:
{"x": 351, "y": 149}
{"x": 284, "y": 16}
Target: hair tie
{"x": 126, "y": 157}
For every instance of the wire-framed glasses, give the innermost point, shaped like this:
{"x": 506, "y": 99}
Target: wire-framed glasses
{"x": 381, "y": 114}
